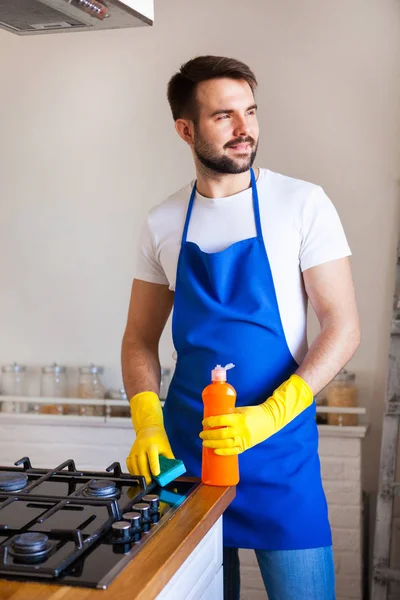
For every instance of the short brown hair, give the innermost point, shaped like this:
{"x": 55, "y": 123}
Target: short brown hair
{"x": 182, "y": 86}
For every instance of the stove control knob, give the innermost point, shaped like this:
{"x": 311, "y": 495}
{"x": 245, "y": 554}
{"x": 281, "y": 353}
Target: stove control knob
{"x": 121, "y": 531}
{"x": 153, "y": 501}
{"x": 144, "y": 510}
{"x": 134, "y": 518}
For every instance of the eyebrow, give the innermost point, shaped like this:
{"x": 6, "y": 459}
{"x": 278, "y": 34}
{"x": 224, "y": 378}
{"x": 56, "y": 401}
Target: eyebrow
{"x": 229, "y": 111}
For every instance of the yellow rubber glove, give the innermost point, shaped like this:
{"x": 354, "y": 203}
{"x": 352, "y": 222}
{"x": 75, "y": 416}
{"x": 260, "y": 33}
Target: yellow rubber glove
{"x": 250, "y": 425}
{"x": 151, "y": 437}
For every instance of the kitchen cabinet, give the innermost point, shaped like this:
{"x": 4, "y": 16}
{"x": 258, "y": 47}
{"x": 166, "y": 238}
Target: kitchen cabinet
{"x": 200, "y": 577}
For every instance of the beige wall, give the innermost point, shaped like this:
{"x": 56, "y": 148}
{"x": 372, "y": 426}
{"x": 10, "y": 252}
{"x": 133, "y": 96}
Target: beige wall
{"x": 87, "y": 146}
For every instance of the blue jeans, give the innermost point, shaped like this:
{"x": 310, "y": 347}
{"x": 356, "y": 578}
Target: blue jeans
{"x": 287, "y": 574}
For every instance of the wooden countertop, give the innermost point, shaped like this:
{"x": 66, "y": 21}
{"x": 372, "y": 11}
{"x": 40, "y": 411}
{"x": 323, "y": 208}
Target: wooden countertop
{"x": 151, "y": 569}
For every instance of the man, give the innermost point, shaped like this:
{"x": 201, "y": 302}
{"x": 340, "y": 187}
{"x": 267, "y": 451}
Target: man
{"x": 237, "y": 253}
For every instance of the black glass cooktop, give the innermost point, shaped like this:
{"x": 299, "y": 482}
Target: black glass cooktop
{"x": 82, "y": 528}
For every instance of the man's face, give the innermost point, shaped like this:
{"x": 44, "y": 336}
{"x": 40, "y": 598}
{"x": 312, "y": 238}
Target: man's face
{"x": 226, "y": 131}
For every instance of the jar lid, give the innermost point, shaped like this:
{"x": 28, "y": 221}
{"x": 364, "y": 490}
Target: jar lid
{"x": 53, "y": 368}
{"x": 117, "y": 394}
{"x": 91, "y": 368}
{"x": 14, "y": 368}
{"x": 344, "y": 375}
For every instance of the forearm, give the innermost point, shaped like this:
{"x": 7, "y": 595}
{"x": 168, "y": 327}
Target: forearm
{"x": 140, "y": 367}
{"x": 331, "y": 350}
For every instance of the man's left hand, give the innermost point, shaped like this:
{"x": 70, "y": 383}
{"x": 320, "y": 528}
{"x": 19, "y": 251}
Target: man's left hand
{"x": 250, "y": 425}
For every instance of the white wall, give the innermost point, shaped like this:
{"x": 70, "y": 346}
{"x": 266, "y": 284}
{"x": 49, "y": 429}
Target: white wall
{"x": 87, "y": 146}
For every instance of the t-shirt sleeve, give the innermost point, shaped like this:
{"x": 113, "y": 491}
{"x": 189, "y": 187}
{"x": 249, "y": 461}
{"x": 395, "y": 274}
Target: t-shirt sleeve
{"x": 322, "y": 234}
{"x": 148, "y": 267}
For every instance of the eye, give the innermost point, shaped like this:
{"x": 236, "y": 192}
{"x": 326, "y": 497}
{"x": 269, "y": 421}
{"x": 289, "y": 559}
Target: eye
{"x": 220, "y": 117}
{"x": 252, "y": 111}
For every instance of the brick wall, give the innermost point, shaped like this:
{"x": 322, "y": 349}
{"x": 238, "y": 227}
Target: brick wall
{"x": 340, "y": 453}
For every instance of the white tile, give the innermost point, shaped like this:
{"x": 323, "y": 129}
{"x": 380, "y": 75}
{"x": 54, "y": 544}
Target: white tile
{"x": 332, "y": 446}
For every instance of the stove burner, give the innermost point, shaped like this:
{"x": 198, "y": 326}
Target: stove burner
{"x": 12, "y": 482}
{"x": 30, "y": 545}
{"x": 98, "y": 488}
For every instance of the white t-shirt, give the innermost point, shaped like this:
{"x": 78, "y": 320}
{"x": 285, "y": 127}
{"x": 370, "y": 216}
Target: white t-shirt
{"x": 300, "y": 225}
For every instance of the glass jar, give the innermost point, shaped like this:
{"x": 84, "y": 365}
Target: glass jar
{"x": 342, "y": 391}
{"x": 14, "y": 383}
{"x": 164, "y": 383}
{"x": 54, "y": 384}
{"x": 91, "y": 387}
{"x": 118, "y": 411}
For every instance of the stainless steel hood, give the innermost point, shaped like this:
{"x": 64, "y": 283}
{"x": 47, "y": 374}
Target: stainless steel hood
{"x": 32, "y": 17}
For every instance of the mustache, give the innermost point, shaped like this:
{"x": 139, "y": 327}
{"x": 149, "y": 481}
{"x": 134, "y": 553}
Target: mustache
{"x": 241, "y": 140}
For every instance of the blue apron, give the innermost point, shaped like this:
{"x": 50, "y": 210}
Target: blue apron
{"x": 225, "y": 310}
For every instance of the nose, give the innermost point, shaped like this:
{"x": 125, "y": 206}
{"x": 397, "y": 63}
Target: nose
{"x": 241, "y": 126}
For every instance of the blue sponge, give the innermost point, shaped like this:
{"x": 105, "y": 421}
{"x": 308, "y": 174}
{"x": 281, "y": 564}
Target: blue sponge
{"x": 171, "y": 468}
{"x": 171, "y": 498}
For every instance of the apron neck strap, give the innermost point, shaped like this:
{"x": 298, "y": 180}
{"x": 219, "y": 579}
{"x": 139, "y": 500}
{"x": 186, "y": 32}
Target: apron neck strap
{"x": 188, "y": 213}
{"x": 255, "y": 206}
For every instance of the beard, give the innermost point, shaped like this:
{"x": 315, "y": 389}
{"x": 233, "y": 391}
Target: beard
{"x": 221, "y": 163}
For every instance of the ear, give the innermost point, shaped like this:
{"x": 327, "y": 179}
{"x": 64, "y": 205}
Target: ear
{"x": 185, "y": 130}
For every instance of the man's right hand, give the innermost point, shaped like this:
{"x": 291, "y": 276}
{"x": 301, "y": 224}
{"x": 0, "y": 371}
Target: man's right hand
{"x": 151, "y": 437}
{"x": 149, "y": 444}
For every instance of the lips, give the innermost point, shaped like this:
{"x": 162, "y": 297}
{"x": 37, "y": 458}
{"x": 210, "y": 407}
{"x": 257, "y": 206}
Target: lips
{"x": 241, "y": 147}
{"x": 241, "y": 144}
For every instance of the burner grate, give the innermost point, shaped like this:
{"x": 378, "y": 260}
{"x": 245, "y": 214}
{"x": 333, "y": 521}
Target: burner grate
{"x": 61, "y": 526}
{"x": 55, "y": 549}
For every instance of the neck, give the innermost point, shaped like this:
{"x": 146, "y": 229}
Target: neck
{"x": 220, "y": 185}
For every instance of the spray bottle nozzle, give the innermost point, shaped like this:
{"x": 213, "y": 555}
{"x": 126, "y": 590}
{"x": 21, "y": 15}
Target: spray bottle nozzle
{"x": 219, "y": 373}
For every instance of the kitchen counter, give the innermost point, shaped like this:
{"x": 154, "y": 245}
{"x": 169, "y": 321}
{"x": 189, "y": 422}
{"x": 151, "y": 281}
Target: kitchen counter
{"x": 97, "y": 442}
{"x": 155, "y": 566}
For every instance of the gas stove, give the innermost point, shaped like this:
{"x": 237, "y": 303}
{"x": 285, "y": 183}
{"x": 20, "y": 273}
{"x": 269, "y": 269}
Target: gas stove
{"x": 81, "y": 528}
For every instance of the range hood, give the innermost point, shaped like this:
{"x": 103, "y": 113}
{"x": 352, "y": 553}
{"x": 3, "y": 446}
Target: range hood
{"x": 32, "y": 17}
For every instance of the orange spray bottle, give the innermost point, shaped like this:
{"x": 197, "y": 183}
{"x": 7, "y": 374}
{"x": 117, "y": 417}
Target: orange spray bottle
{"x": 219, "y": 399}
